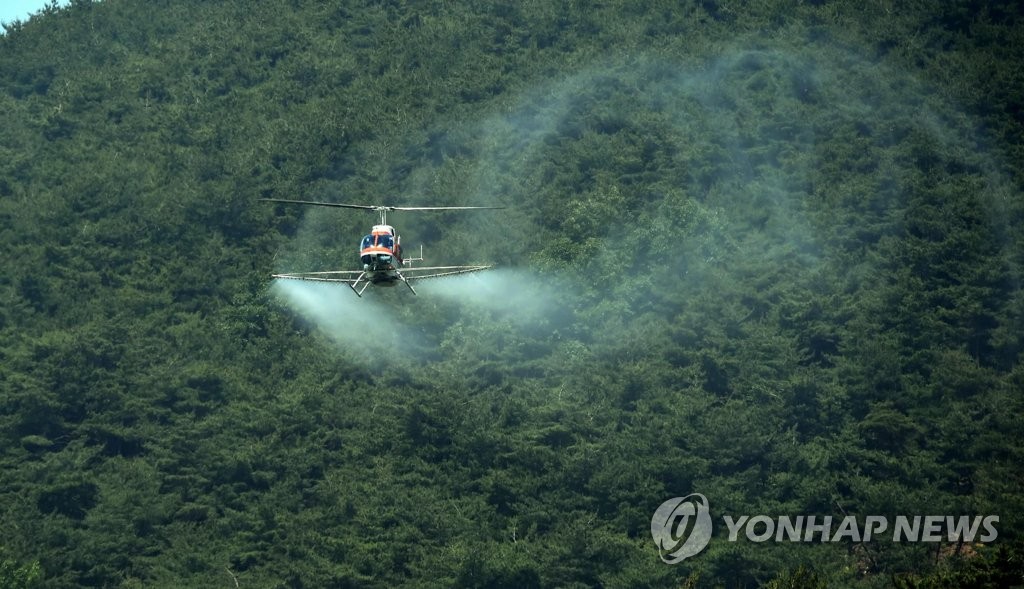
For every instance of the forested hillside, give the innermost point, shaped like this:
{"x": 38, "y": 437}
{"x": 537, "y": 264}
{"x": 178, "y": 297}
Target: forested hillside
{"x": 767, "y": 252}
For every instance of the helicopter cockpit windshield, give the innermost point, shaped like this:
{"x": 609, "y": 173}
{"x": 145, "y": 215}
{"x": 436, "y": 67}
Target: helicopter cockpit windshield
{"x": 384, "y": 241}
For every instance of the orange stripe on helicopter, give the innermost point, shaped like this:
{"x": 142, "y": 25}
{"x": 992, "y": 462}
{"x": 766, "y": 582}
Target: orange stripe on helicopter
{"x": 376, "y": 250}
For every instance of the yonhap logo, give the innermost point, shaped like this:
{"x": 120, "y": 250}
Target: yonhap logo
{"x": 681, "y": 527}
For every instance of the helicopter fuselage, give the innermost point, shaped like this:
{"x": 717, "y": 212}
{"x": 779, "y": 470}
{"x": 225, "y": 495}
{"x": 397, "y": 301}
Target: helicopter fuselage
{"x": 380, "y": 252}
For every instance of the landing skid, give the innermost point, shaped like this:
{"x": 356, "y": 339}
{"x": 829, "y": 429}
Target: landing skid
{"x": 402, "y": 278}
{"x": 359, "y": 291}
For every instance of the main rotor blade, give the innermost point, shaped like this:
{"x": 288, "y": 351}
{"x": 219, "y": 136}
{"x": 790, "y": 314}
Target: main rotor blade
{"x": 320, "y": 204}
{"x": 438, "y": 208}
{"x": 372, "y": 207}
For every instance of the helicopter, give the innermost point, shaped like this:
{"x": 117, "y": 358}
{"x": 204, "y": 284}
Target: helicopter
{"x": 380, "y": 253}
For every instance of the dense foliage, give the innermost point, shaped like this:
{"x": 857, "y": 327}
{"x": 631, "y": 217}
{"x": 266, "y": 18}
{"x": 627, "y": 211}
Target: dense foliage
{"x": 769, "y": 252}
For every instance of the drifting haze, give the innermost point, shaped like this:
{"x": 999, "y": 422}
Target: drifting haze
{"x": 686, "y": 177}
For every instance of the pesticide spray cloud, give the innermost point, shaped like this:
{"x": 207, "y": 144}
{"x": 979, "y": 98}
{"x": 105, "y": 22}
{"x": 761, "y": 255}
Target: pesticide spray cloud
{"x": 513, "y": 294}
{"x": 394, "y": 325}
{"x": 367, "y": 328}
{"x": 640, "y": 180}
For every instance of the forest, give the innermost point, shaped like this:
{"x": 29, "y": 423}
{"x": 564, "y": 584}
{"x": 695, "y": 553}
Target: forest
{"x": 768, "y": 252}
